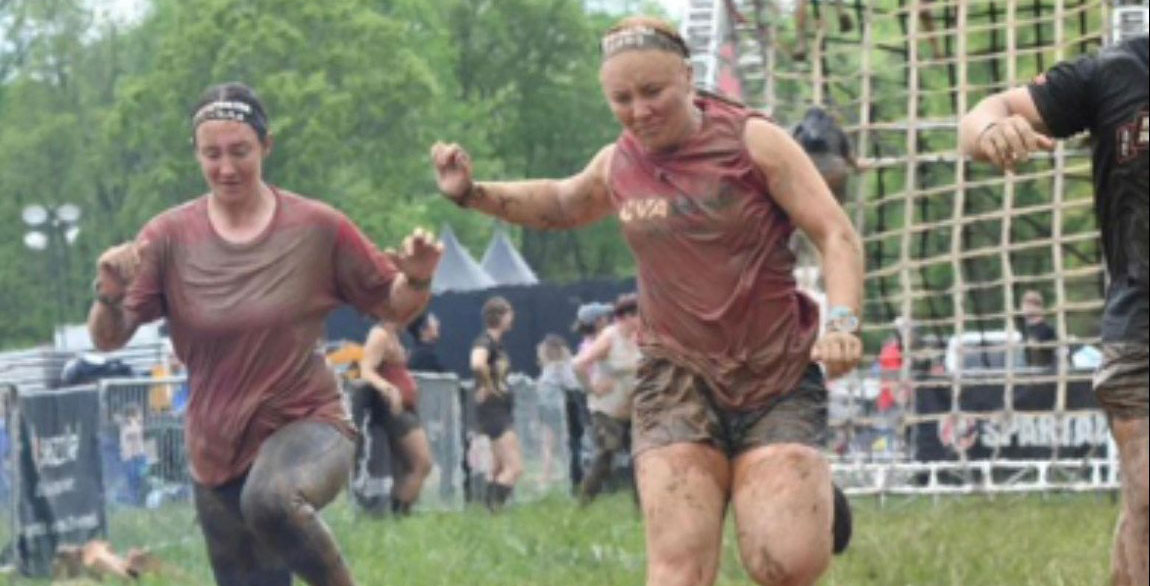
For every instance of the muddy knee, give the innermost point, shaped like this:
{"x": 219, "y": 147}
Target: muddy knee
{"x": 770, "y": 569}
{"x": 270, "y": 511}
{"x": 685, "y": 570}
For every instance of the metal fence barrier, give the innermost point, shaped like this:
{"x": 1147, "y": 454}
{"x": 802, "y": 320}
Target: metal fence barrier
{"x": 7, "y": 495}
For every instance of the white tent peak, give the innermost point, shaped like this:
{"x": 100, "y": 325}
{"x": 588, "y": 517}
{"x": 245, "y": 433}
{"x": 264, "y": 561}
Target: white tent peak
{"x": 458, "y": 270}
{"x": 503, "y": 262}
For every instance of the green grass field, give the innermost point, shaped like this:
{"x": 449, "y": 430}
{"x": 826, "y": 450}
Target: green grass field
{"x": 1058, "y": 540}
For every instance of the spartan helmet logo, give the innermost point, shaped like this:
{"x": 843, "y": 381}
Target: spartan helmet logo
{"x": 958, "y": 432}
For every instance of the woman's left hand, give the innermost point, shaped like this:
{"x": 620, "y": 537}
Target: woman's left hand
{"x": 418, "y": 256}
{"x": 840, "y": 352}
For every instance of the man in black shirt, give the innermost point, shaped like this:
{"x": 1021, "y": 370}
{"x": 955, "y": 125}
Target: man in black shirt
{"x": 1107, "y": 95}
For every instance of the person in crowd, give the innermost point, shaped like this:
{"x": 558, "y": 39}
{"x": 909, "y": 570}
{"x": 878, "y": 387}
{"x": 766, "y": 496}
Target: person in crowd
{"x": 424, "y": 330}
{"x": 245, "y": 276}
{"x": 590, "y": 319}
{"x": 1040, "y": 337}
{"x": 1108, "y": 95}
{"x": 556, "y": 380}
{"x": 384, "y": 367}
{"x": 133, "y": 454}
{"x": 610, "y": 387}
{"x": 730, "y": 410}
{"x": 494, "y": 404}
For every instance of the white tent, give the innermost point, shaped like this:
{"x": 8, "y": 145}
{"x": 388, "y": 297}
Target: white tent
{"x": 458, "y": 270}
{"x": 504, "y": 263}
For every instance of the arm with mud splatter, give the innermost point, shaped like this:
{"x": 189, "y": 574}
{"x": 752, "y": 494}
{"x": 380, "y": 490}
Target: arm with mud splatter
{"x": 544, "y": 204}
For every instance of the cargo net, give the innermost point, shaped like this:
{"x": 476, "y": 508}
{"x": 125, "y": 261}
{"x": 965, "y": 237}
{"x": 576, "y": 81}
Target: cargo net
{"x": 984, "y": 290}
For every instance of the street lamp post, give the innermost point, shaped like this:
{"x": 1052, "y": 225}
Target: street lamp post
{"x": 55, "y": 229}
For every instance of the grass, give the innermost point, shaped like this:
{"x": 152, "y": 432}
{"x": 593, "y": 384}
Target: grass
{"x": 1059, "y": 540}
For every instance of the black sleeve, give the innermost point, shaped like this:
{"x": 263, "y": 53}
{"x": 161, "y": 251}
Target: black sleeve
{"x": 1045, "y": 333}
{"x": 483, "y": 341}
{"x": 1065, "y": 94}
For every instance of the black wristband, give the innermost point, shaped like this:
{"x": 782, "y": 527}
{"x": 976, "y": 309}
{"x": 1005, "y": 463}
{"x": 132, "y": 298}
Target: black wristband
{"x": 467, "y": 195}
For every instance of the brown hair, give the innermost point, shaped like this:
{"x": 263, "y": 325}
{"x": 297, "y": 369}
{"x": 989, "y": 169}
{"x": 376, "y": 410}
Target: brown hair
{"x": 493, "y": 311}
{"x": 235, "y": 91}
{"x": 626, "y": 303}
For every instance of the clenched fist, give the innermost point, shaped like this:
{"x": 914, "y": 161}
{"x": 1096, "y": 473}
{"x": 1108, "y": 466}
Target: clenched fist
{"x": 840, "y": 352}
{"x": 1011, "y": 141}
{"x": 117, "y": 268}
{"x": 452, "y": 171}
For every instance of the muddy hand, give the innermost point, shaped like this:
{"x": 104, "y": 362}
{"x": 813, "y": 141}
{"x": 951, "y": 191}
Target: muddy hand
{"x": 840, "y": 352}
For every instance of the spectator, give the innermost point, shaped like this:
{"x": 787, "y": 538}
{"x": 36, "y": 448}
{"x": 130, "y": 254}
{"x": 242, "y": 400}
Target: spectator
{"x": 133, "y": 454}
{"x": 616, "y": 352}
{"x": 1040, "y": 337}
{"x": 396, "y": 403}
{"x": 494, "y": 403}
{"x": 556, "y": 380}
{"x": 424, "y": 331}
{"x": 590, "y": 319}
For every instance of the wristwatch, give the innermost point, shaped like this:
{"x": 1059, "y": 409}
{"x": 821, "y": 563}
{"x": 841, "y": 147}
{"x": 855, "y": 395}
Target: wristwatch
{"x": 842, "y": 319}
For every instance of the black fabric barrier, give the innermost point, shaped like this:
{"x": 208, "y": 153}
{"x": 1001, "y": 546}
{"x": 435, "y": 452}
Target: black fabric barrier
{"x": 59, "y": 487}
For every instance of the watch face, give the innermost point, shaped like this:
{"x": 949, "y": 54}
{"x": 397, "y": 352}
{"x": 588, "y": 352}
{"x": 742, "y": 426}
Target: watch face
{"x": 848, "y": 324}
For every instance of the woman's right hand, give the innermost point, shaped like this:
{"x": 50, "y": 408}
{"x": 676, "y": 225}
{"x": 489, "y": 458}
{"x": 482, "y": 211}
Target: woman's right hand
{"x": 1010, "y": 141}
{"x": 393, "y": 398}
{"x": 118, "y": 267}
{"x": 452, "y": 170}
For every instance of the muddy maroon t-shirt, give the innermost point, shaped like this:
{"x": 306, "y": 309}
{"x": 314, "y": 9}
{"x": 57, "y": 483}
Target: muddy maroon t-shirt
{"x": 246, "y": 319}
{"x": 716, "y": 287}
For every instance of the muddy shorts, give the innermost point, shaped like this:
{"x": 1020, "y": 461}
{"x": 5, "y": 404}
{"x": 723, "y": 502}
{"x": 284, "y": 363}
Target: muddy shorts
{"x": 399, "y": 425}
{"x": 1122, "y": 382}
{"x": 610, "y": 434}
{"x": 674, "y": 405}
{"x": 366, "y": 400}
{"x": 493, "y": 417}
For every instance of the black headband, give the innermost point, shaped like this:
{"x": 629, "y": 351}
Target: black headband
{"x": 232, "y": 110}
{"x": 641, "y": 37}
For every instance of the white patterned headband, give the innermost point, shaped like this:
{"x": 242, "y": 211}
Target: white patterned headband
{"x": 638, "y": 38}
{"x": 232, "y": 110}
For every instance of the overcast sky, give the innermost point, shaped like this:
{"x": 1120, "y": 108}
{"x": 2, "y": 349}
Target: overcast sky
{"x": 676, "y": 8}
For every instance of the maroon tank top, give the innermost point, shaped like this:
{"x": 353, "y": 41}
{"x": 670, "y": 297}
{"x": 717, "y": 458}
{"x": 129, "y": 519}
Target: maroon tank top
{"x": 398, "y": 375}
{"x": 717, "y": 293}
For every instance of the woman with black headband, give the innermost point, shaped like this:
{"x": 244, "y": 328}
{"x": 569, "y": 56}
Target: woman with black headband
{"x": 728, "y": 409}
{"x": 245, "y": 276}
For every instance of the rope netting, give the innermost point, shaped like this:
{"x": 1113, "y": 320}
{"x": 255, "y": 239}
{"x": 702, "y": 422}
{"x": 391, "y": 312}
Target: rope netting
{"x": 961, "y": 394}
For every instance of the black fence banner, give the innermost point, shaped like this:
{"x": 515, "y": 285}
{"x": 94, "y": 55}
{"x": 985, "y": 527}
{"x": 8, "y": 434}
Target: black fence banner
{"x": 1034, "y": 429}
{"x": 59, "y": 488}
